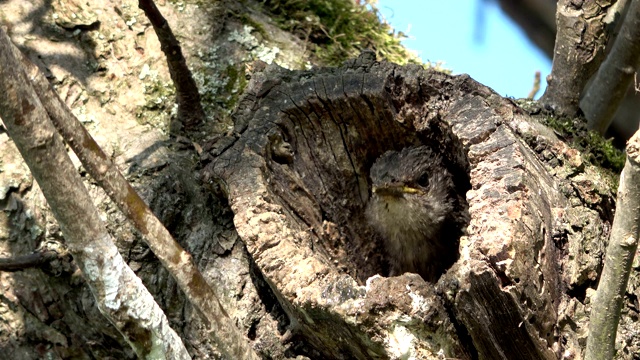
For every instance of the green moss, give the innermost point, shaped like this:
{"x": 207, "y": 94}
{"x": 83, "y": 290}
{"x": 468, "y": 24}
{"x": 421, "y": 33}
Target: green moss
{"x": 340, "y": 29}
{"x": 595, "y": 148}
{"x": 159, "y": 100}
{"x": 247, "y": 20}
{"x": 236, "y": 82}
{"x": 602, "y": 151}
{"x": 226, "y": 90}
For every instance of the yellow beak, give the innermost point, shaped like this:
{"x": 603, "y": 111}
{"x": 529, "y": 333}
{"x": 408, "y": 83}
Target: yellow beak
{"x": 395, "y": 190}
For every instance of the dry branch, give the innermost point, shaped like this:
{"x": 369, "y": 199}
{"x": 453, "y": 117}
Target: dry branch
{"x": 536, "y": 86}
{"x": 173, "y": 257}
{"x": 35, "y": 259}
{"x": 607, "y": 303}
{"x": 119, "y": 293}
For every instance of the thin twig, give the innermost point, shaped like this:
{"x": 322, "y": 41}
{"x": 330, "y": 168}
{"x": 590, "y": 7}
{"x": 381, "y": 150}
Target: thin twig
{"x": 536, "y": 86}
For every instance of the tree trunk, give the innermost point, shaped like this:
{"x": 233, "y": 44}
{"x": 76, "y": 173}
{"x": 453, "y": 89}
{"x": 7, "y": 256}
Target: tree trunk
{"x": 300, "y": 214}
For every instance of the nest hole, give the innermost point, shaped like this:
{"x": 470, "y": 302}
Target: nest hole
{"x": 324, "y": 181}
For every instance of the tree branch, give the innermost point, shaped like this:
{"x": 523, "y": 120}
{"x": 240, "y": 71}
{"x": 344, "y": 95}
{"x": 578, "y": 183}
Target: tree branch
{"x": 607, "y": 90}
{"x": 536, "y": 86}
{"x": 190, "y": 112}
{"x": 580, "y": 42}
{"x": 119, "y": 293}
{"x": 21, "y": 262}
{"x": 605, "y": 311}
{"x": 173, "y": 257}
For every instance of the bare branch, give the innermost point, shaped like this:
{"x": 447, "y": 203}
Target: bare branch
{"x": 607, "y": 90}
{"x": 172, "y": 256}
{"x": 580, "y": 42}
{"x": 536, "y": 86}
{"x": 605, "y": 311}
{"x": 190, "y": 112}
{"x": 119, "y": 293}
{"x": 21, "y": 262}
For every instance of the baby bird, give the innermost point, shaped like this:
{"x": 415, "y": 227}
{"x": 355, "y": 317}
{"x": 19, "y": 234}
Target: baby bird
{"x": 415, "y": 208}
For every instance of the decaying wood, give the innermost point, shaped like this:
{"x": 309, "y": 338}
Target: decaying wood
{"x": 526, "y": 270}
{"x": 295, "y": 172}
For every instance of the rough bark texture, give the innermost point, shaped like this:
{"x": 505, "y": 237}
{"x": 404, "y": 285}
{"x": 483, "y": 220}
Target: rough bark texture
{"x": 172, "y": 256}
{"x": 106, "y": 64}
{"x": 582, "y": 36}
{"x": 538, "y": 212}
{"x": 299, "y": 211}
{"x": 118, "y": 292}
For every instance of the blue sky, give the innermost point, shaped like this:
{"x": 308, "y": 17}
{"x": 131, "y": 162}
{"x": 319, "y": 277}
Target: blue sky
{"x": 501, "y": 58}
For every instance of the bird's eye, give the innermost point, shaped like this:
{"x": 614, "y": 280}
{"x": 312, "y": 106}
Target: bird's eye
{"x": 424, "y": 180}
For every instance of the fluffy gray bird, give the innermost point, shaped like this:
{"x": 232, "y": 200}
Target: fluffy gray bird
{"x": 415, "y": 208}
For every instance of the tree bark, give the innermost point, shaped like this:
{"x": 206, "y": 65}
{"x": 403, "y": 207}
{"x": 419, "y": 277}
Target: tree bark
{"x": 607, "y": 304}
{"x": 173, "y": 257}
{"x": 190, "y": 112}
{"x": 299, "y": 210}
{"x": 581, "y": 38}
{"x": 120, "y": 294}
{"x": 527, "y": 267}
{"x": 611, "y": 82}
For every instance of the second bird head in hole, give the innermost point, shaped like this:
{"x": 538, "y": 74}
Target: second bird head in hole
{"x": 417, "y": 211}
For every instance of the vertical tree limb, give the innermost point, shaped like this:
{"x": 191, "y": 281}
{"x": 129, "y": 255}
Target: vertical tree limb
{"x": 190, "y": 112}
{"x": 119, "y": 293}
{"x": 173, "y": 257}
{"x": 612, "y": 80}
{"x": 579, "y": 49}
{"x": 605, "y": 311}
